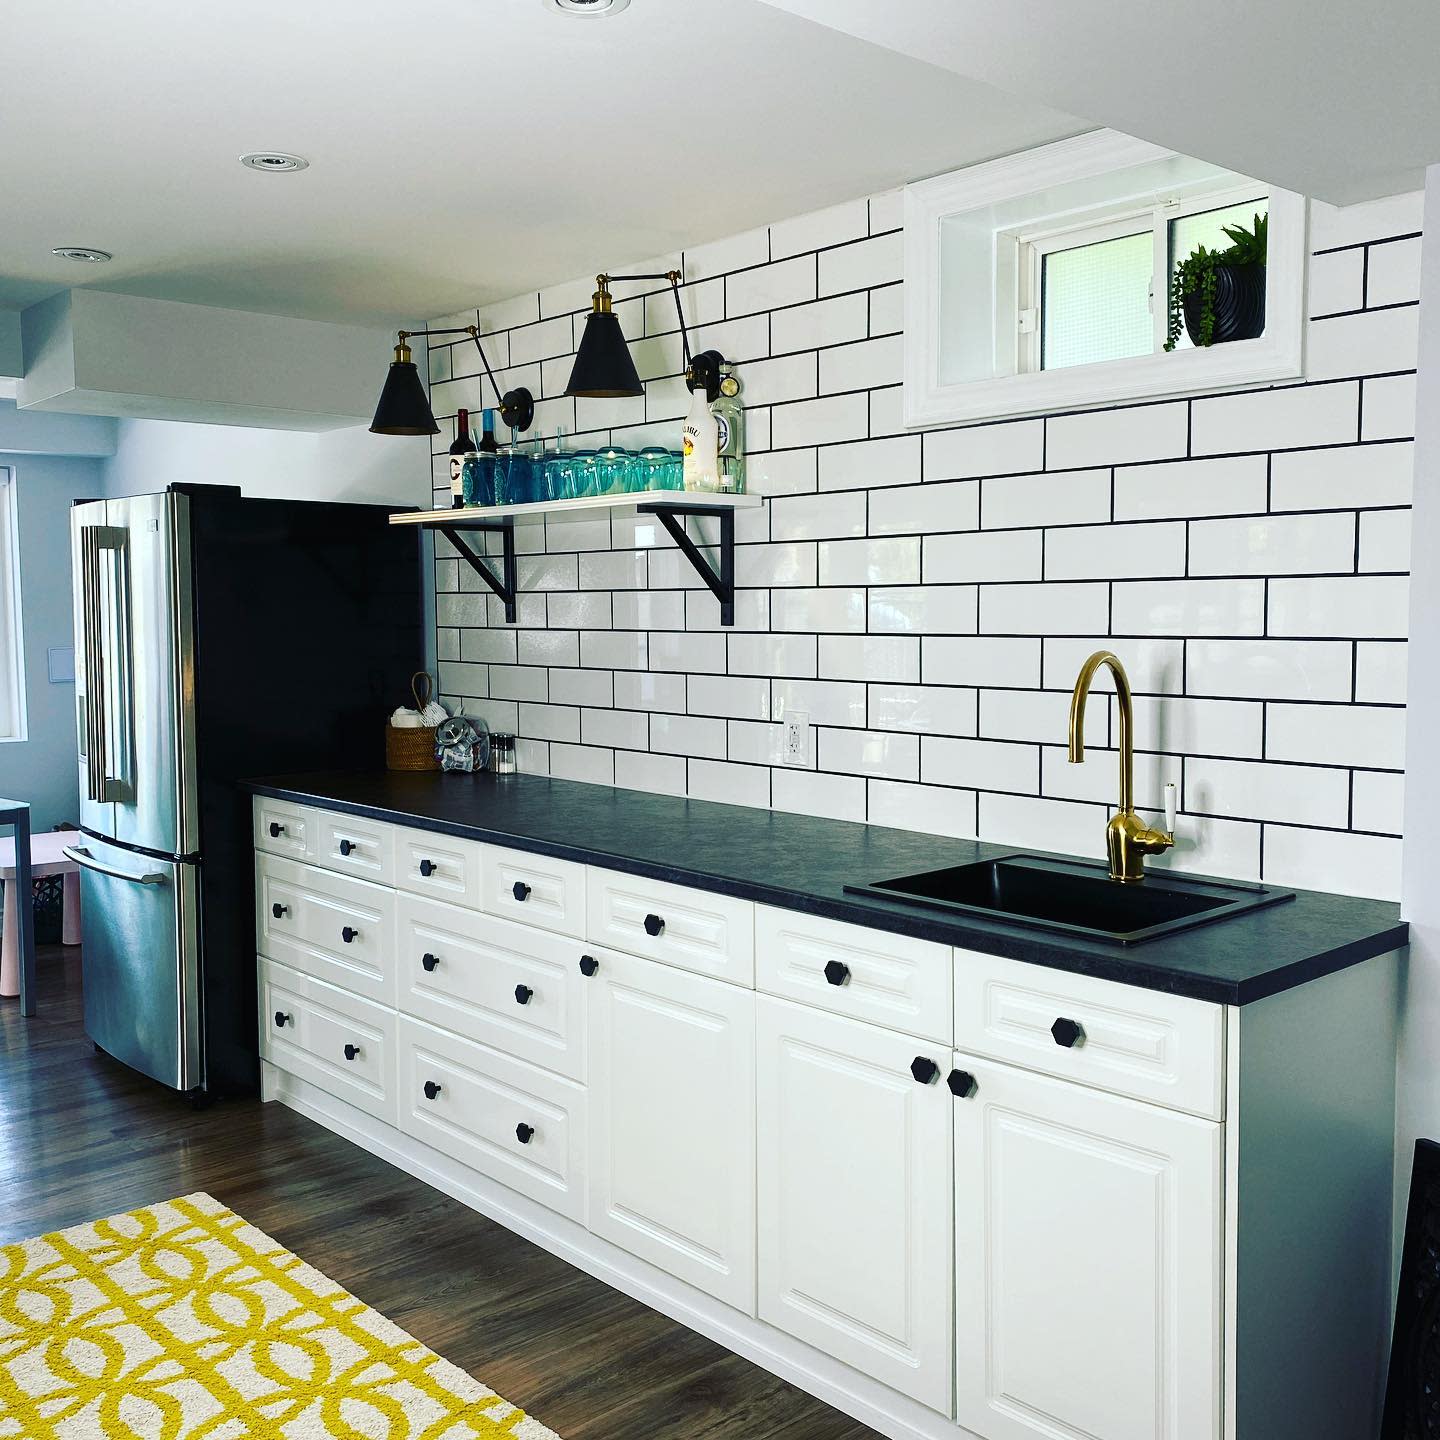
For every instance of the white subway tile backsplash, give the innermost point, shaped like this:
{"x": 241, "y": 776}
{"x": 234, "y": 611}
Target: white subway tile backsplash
{"x": 925, "y": 509}
{"x": 973, "y": 556}
{"x": 924, "y": 609}
{"x": 932, "y": 809}
{"x": 1385, "y": 540}
{"x": 1054, "y": 608}
{"x": 1392, "y": 272}
{"x": 1189, "y": 607}
{"x": 1334, "y": 479}
{"x": 729, "y": 784}
{"x": 980, "y": 764}
{"x": 781, "y": 655}
{"x": 1233, "y": 485}
{"x": 620, "y": 729}
{"x": 825, "y": 322}
{"x": 887, "y": 211}
{"x": 1154, "y": 666}
{"x": 1041, "y": 715}
{"x": 862, "y": 366}
{"x": 1332, "y": 860}
{"x": 1362, "y": 606}
{"x": 893, "y": 561}
{"x": 1337, "y": 281}
{"x": 1389, "y": 408}
{"x": 887, "y": 309}
{"x": 781, "y": 472}
{"x": 1180, "y": 725}
{"x": 719, "y": 257}
{"x": 771, "y": 382}
{"x": 655, "y": 774}
{"x": 817, "y": 517}
{"x": 869, "y": 752}
{"x": 820, "y": 228}
{"x": 866, "y": 463}
{"x": 1297, "y": 795}
{"x": 1115, "y": 437}
{"x": 743, "y": 696}
{"x": 582, "y": 762}
{"x": 838, "y": 797}
{"x": 1071, "y": 497}
{"x": 1011, "y": 447}
{"x": 687, "y": 650}
{"x": 1024, "y": 819}
{"x": 768, "y": 287}
{"x": 826, "y": 702}
{"x": 649, "y": 690}
{"x": 1273, "y": 545}
{"x": 1381, "y": 672}
{"x": 837, "y": 611}
{"x": 1379, "y": 802}
{"x": 869, "y": 657}
{"x": 877, "y": 261}
{"x": 1097, "y": 551}
{"x": 701, "y": 735}
{"x": 1368, "y": 343}
{"x": 982, "y": 660}
{"x": 924, "y": 709}
{"x": 1366, "y": 735}
{"x": 826, "y": 421}
{"x": 582, "y": 687}
{"x": 1269, "y": 669}
{"x": 1276, "y": 419}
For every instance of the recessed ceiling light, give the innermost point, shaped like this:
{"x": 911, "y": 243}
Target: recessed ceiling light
{"x": 276, "y": 161}
{"x": 591, "y": 9}
{"x": 85, "y": 254}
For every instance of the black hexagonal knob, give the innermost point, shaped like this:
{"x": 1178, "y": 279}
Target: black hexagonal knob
{"x": 836, "y": 972}
{"x": 924, "y": 1069}
{"x": 427, "y": 868}
{"x": 351, "y": 1052}
{"x": 962, "y": 1084}
{"x": 520, "y": 890}
{"x": 279, "y": 911}
{"x": 523, "y": 1132}
{"x": 523, "y": 994}
{"x": 588, "y": 964}
{"x": 276, "y": 831}
{"x": 346, "y": 846}
{"x": 429, "y": 961}
{"x": 1068, "y": 1033}
{"x": 280, "y": 1018}
{"x": 653, "y": 925}
{"x": 431, "y": 1089}
{"x": 348, "y": 934}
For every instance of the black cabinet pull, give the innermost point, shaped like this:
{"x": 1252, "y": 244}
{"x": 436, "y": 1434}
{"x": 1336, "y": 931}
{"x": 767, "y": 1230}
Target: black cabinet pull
{"x": 520, "y": 890}
{"x": 429, "y": 961}
{"x": 279, "y": 911}
{"x": 348, "y": 934}
{"x": 588, "y": 964}
{"x": 961, "y": 1083}
{"x": 431, "y": 1089}
{"x": 653, "y": 925}
{"x": 276, "y": 831}
{"x": 427, "y": 868}
{"x": 280, "y": 1018}
{"x": 924, "y": 1069}
{"x": 351, "y": 1051}
{"x": 346, "y": 846}
{"x": 523, "y": 1132}
{"x": 1068, "y": 1033}
{"x": 836, "y": 972}
{"x": 523, "y": 994}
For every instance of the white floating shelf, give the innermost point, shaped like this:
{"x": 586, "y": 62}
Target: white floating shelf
{"x": 586, "y": 505}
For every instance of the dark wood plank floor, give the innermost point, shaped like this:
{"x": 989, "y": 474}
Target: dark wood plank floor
{"x": 82, "y": 1137}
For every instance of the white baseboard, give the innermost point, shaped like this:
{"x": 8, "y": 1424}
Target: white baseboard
{"x": 820, "y": 1375}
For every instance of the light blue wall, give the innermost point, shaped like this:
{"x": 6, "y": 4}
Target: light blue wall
{"x": 43, "y": 767}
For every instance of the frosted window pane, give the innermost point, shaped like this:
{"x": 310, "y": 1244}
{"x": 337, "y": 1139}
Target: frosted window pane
{"x": 1207, "y": 229}
{"x": 1095, "y": 302}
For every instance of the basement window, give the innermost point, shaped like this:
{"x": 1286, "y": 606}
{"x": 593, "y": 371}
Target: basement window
{"x": 1040, "y": 282}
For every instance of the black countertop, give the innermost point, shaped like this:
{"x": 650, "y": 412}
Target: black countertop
{"x": 800, "y": 862}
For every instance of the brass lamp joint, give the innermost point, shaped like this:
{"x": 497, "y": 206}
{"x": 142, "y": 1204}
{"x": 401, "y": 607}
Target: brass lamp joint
{"x": 600, "y": 300}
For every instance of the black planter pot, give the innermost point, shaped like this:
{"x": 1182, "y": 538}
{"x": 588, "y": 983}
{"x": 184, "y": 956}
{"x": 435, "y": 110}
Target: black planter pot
{"x": 1239, "y": 305}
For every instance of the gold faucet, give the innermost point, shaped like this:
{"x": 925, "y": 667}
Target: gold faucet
{"x": 1127, "y": 838}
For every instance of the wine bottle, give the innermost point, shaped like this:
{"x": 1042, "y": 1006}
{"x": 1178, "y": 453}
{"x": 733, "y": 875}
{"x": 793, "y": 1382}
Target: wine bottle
{"x": 460, "y": 447}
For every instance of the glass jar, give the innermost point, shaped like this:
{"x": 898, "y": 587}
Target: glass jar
{"x": 650, "y": 466}
{"x": 584, "y": 473}
{"x": 478, "y": 478}
{"x": 502, "y": 753}
{"x": 518, "y": 471}
{"x": 614, "y": 468}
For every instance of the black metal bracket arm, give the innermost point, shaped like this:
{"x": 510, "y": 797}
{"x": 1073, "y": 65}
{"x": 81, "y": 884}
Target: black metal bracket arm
{"x": 721, "y": 583}
{"x": 505, "y": 588}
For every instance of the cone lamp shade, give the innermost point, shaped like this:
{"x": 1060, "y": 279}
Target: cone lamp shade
{"x": 603, "y": 369}
{"x": 404, "y": 408}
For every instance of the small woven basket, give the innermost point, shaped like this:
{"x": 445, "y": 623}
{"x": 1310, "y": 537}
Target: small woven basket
{"x": 413, "y": 748}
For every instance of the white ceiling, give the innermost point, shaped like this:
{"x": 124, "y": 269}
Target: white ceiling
{"x": 461, "y": 150}
{"x": 1335, "y": 99}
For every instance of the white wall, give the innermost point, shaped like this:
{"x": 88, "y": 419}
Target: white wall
{"x": 42, "y": 768}
{"x": 1418, "y": 1102}
{"x": 41, "y": 432}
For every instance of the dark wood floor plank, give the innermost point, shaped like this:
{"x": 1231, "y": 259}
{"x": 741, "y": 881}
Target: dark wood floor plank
{"x": 81, "y": 1136}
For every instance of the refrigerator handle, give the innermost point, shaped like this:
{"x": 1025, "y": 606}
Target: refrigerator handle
{"x": 94, "y": 712}
{"x": 106, "y": 615}
{"x": 84, "y": 858}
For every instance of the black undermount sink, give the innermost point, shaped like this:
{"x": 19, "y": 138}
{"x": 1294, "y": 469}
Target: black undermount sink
{"x": 1075, "y": 897}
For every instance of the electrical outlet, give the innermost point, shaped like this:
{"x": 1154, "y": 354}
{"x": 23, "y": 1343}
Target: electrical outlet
{"x": 797, "y": 738}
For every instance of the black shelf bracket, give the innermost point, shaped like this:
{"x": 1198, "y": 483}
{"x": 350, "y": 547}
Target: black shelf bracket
{"x": 505, "y": 588}
{"x": 722, "y": 585}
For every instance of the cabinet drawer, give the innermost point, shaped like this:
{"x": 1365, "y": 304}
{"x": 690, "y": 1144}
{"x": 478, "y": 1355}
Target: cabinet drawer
{"x": 890, "y": 980}
{"x": 534, "y": 889}
{"x": 511, "y": 987}
{"x": 284, "y": 828}
{"x": 711, "y": 934}
{"x": 355, "y": 847}
{"x": 1168, "y": 1049}
{"x": 441, "y": 866}
{"x": 521, "y": 1126}
{"x": 330, "y": 926}
{"x": 325, "y": 1035}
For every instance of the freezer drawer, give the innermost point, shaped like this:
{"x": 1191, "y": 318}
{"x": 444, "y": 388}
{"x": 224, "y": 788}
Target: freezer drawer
{"x": 141, "y": 960}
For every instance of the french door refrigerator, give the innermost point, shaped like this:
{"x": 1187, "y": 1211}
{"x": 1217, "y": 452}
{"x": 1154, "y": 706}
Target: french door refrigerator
{"x": 217, "y": 637}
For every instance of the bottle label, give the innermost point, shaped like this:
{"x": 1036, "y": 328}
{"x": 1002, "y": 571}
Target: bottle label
{"x": 722, "y": 424}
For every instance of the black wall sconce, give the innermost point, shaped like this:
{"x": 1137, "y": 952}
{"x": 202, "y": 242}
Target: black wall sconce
{"x": 404, "y": 408}
{"x": 603, "y": 368}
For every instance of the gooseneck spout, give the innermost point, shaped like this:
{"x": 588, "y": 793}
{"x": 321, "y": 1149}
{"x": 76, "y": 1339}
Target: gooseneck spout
{"x": 1127, "y": 838}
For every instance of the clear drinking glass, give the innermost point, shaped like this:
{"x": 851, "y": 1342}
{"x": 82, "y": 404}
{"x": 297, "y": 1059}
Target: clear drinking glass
{"x": 614, "y": 466}
{"x": 650, "y": 467}
{"x": 584, "y": 473}
{"x": 675, "y": 470}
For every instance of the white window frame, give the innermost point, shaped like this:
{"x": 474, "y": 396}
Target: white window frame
{"x": 1278, "y": 354}
{"x": 12, "y": 625}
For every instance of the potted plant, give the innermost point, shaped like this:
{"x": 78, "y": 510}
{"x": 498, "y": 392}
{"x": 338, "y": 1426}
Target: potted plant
{"x": 1221, "y": 293}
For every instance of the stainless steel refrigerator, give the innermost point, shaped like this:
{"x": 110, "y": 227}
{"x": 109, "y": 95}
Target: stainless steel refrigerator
{"x": 216, "y": 637}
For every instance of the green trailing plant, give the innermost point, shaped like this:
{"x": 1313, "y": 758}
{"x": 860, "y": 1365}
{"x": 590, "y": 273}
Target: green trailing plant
{"x": 1195, "y": 275}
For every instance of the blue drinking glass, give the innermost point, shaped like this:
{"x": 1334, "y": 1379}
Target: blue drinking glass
{"x": 478, "y": 477}
{"x": 517, "y": 485}
{"x": 614, "y": 462}
{"x": 650, "y": 468}
{"x": 585, "y": 473}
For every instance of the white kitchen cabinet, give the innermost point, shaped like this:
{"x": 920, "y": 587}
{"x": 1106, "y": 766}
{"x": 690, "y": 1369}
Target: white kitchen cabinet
{"x": 1087, "y": 1262}
{"x": 672, "y": 1121}
{"x": 855, "y": 1194}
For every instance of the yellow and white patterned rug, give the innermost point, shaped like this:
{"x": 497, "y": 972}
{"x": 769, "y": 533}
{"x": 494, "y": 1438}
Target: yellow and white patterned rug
{"x": 180, "y": 1321}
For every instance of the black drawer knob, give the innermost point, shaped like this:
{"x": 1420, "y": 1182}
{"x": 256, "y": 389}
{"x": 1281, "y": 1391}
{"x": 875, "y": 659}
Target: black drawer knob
{"x": 653, "y": 925}
{"x": 520, "y": 890}
{"x": 346, "y": 846}
{"x": 588, "y": 964}
{"x": 924, "y": 1069}
{"x": 427, "y": 868}
{"x": 351, "y": 1052}
{"x": 1068, "y": 1033}
{"x": 836, "y": 972}
{"x": 348, "y": 934}
{"x": 281, "y": 1019}
{"x": 961, "y": 1083}
{"x": 523, "y": 1132}
{"x": 279, "y": 911}
{"x": 523, "y": 994}
{"x": 429, "y": 961}
{"x": 431, "y": 1089}
{"x": 276, "y": 831}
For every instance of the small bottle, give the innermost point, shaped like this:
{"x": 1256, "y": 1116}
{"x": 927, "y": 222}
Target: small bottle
{"x": 729, "y": 416}
{"x": 502, "y": 753}
{"x": 461, "y": 446}
{"x": 702, "y": 444}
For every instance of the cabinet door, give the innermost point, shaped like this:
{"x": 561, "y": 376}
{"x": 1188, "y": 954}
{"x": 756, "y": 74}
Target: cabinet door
{"x": 855, "y": 1194}
{"x": 672, "y": 1122}
{"x": 1088, "y": 1262}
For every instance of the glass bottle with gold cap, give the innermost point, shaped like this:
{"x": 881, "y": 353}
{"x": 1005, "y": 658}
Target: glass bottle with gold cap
{"x": 729, "y": 416}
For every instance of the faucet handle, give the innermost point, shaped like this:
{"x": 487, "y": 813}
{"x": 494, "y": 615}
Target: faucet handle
{"x": 1171, "y": 795}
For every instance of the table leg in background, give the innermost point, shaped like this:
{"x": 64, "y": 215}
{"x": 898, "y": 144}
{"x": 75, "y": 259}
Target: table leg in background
{"x": 9, "y": 946}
